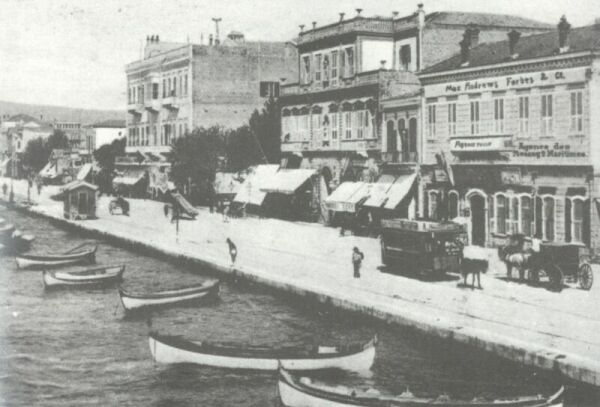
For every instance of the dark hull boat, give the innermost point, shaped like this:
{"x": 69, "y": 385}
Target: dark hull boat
{"x": 301, "y": 392}
{"x": 87, "y": 277}
{"x": 74, "y": 256}
{"x": 135, "y": 301}
{"x": 174, "y": 349}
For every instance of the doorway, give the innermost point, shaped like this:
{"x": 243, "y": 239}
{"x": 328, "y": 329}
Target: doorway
{"x": 478, "y": 221}
{"x": 392, "y": 146}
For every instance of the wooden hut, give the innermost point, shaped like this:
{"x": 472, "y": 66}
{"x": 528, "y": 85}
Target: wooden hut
{"x": 79, "y": 199}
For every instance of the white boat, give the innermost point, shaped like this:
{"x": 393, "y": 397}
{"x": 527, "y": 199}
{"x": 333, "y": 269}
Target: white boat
{"x": 133, "y": 301}
{"x": 87, "y": 277}
{"x": 303, "y": 392}
{"x": 174, "y": 349}
{"x": 74, "y": 256}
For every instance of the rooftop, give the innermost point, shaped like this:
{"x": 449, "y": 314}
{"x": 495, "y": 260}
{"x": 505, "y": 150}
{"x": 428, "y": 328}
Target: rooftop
{"x": 110, "y": 124}
{"x": 533, "y": 46}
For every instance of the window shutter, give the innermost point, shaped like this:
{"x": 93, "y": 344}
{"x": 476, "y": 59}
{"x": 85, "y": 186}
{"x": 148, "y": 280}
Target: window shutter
{"x": 586, "y": 222}
{"x": 568, "y": 236}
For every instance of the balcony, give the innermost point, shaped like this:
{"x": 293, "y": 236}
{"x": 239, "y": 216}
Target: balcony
{"x": 399, "y": 157}
{"x": 171, "y": 102}
{"x": 357, "y": 24}
{"x": 152, "y": 105}
{"x": 135, "y": 108}
{"x": 363, "y": 78}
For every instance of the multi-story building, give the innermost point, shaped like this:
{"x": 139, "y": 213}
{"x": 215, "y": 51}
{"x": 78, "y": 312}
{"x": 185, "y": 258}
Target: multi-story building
{"x": 518, "y": 123}
{"x": 74, "y": 132}
{"x": 358, "y": 73}
{"x": 102, "y": 133}
{"x": 177, "y": 87}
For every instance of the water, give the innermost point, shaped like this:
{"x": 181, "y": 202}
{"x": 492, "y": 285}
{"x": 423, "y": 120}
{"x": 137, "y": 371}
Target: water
{"x": 76, "y": 348}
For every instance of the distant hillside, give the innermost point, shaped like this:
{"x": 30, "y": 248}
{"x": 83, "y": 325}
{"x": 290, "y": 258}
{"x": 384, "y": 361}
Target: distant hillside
{"x": 59, "y": 113}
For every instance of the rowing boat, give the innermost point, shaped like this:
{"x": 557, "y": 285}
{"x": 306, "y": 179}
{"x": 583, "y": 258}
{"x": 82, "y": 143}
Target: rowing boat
{"x": 21, "y": 241}
{"x": 61, "y": 259}
{"x": 174, "y": 349}
{"x": 302, "y": 392}
{"x": 133, "y": 301}
{"x": 87, "y": 277}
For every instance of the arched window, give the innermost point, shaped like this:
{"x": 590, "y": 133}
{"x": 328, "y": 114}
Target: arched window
{"x": 514, "y": 215}
{"x": 325, "y": 126}
{"x": 548, "y": 218}
{"x": 452, "y": 204}
{"x": 526, "y": 215}
{"x": 576, "y": 219}
{"x": 434, "y": 203}
{"x": 502, "y": 209}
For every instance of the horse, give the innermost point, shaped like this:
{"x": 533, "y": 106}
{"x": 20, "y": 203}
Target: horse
{"x": 515, "y": 255}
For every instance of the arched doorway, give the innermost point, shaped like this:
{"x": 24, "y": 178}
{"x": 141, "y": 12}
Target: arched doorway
{"x": 392, "y": 146}
{"x": 478, "y": 218}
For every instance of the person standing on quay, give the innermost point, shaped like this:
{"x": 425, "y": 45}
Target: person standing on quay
{"x": 357, "y": 258}
{"x": 232, "y": 251}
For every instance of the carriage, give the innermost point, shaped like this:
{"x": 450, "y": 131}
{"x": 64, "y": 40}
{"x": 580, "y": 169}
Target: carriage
{"x": 558, "y": 261}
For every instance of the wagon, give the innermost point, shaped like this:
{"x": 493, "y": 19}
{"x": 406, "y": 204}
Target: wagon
{"x": 565, "y": 261}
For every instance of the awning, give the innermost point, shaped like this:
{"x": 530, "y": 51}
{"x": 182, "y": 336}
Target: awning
{"x": 250, "y": 191}
{"x": 378, "y": 194}
{"x": 346, "y": 197}
{"x": 49, "y": 171}
{"x": 399, "y": 190}
{"x": 129, "y": 178}
{"x": 286, "y": 181}
{"x": 84, "y": 171}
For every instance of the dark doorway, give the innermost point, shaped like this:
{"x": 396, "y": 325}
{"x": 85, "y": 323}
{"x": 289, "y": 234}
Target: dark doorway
{"x": 412, "y": 139}
{"x": 392, "y": 145}
{"x": 477, "y": 220}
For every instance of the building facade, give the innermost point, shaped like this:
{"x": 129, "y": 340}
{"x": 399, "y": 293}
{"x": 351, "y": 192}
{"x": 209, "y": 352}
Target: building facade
{"x": 356, "y": 101}
{"x": 180, "y": 86}
{"x": 517, "y": 122}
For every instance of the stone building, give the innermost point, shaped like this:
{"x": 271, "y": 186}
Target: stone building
{"x": 177, "y": 87}
{"x": 359, "y": 73}
{"x": 517, "y": 122}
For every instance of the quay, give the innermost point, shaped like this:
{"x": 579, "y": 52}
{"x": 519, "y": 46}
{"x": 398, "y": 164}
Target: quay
{"x": 528, "y": 325}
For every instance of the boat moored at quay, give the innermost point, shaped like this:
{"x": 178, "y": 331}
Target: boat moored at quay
{"x": 86, "y": 277}
{"x": 76, "y": 255}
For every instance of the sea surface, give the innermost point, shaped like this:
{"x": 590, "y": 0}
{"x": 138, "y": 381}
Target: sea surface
{"x": 77, "y": 348}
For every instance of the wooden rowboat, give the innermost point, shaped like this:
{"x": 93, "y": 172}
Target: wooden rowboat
{"x": 87, "y": 277}
{"x": 134, "y": 301}
{"x": 72, "y": 256}
{"x": 174, "y": 349}
{"x": 21, "y": 241}
{"x": 302, "y": 392}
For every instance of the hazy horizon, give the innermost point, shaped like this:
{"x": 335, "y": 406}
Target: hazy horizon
{"x": 73, "y": 53}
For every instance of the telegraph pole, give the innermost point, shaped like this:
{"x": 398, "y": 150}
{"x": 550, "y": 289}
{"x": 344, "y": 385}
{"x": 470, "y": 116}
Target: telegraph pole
{"x": 217, "y": 20}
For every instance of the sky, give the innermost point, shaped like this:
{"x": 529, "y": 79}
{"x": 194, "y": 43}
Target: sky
{"x": 73, "y": 52}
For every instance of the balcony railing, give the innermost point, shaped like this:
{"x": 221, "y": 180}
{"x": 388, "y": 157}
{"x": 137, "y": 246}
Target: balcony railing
{"x": 135, "y": 108}
{"x": 358, "y": 24}
{"x": 362, "y": 78}
{"x": 399, "y": 157}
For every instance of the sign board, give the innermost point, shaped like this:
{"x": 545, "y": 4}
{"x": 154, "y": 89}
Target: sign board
{"x": 511, "y": 177}
{"x": 549, "y": 150}
{"x": 507, "y": 82}
{"x": 482, "y": 144}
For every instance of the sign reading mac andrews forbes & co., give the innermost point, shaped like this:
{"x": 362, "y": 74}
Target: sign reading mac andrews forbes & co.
{"x": 507, "y": 82}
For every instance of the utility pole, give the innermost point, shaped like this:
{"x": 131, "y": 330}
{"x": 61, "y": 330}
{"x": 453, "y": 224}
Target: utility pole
{"x": 217, "y": 20}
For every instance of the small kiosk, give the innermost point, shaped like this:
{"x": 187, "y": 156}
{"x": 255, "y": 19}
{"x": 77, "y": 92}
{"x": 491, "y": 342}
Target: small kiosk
{"x": 79, "y": 198}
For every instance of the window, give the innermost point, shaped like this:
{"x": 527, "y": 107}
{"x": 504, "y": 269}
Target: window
{"x": 325, "y": 70}
{"x": 452, "y": 119}
{"x": 164, "y": 88}
{"x": 576, "y": 219}
{"x": 524, "y": 115}
{"x": 431, "y": 119}
{"x": 576, "y": 112}
{"x": 170, "y": 87}
{"x": 325, "y": 127}
{"x": 360, "y": 121}
{"x": 434, "y": 200}
{"x": 155, "y": 91}
{"x": 526, "y": 215}
{"x": 306, "y": 69}
{"x": 349, "y": 55}
{"x": 548, "y": 218}
{"x": 318, "y": 60}
{"x": 316, "y": 126}
{"x": 348, "y": 125}
{"x": 513, "y": 212}
{"x": 547, "y": 112}
{"x": 303, "y": 123}
{"x": 405, "y": 57}
{"x": 185, "y": 84}
{"x": 334, "y": 125}
{"x": 269, "y": 89}
{"x": 452, "y": 204}
{"x": 475, "y": 117}
{"x": 502, "y": 209}
{"x": 180, "y": 87}
{"x": 334, "y": 68}
{"x": 499, "y": 116}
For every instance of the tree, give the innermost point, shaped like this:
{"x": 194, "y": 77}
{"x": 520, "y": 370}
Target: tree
{"x": 57, "y": 141}
{"x": 36, "y": 154}
{"x": 266, "y": 128}
{"x": 194, "y": 161}
{"x": 242, "y": 149}
{"x": 105, "y": 156}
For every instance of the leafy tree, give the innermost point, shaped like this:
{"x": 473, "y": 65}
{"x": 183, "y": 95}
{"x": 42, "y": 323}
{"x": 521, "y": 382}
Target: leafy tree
{"x": 266, "y": 127}
{"x": 242, "y": 149}
{"x": 105, "y": 156}
{"x": 194, "y": 161}
{"x": 36, "y": 154}
{"x": 57, "y": 140}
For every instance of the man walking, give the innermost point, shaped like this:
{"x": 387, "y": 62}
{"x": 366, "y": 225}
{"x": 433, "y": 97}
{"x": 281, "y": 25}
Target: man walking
{"x": 357, "y": 258}
{"x": 232, "y": 251}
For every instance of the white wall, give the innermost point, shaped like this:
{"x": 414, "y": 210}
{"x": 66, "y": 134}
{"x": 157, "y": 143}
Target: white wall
{"x": 107, "y": 135}
{"x": 374, "y": 51}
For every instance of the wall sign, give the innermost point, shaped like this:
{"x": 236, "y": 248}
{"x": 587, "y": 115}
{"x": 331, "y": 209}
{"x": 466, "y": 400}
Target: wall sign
{"x": 538, "y": 151}
{"x": 516, "y": 81}
{"x": 491, "y": 143}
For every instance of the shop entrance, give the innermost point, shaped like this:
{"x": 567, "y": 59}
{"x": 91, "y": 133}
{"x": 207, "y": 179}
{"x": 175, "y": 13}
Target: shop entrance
{"x": 477, "y": 219}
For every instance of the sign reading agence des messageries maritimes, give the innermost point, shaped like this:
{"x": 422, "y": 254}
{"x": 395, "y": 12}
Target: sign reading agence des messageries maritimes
{"x": 515, "y": 81}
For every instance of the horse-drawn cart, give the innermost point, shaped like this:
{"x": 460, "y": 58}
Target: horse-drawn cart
{"x": 558, "y": 261}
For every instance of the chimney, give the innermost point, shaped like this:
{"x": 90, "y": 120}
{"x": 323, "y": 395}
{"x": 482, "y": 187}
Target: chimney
{"x": 210, "y": 39}
{"x": 342, "y": 16}
{"x": 157, "y": 38}
{"x": 465, "y": 51}
{"x": 473, "y": 33}
{"x": 301, "y": 28}
{"x": 394, "y": 14}
{"x": 358, "y": 11}
{"x": 563, "y": 34}
{"x": 513, "y": 39}
{"x": 314, "y": 24}
{"x": 382, "y": 62}
{"x": 420, "y": 15}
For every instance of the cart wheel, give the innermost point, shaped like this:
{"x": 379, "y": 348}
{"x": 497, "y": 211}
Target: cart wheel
{"x": 585, "y": 276}
{"x": 556, "y": 277}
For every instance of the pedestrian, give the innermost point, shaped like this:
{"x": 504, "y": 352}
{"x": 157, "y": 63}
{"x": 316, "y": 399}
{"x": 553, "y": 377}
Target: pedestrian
{"x": 39, "y": 187}
{"x": 357, "y": 258}
{"x": 166, "y": 210}
{"x": 4, "y": 188}
{"x": 232, "y": 250}
{"x": 226, "y": 213}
